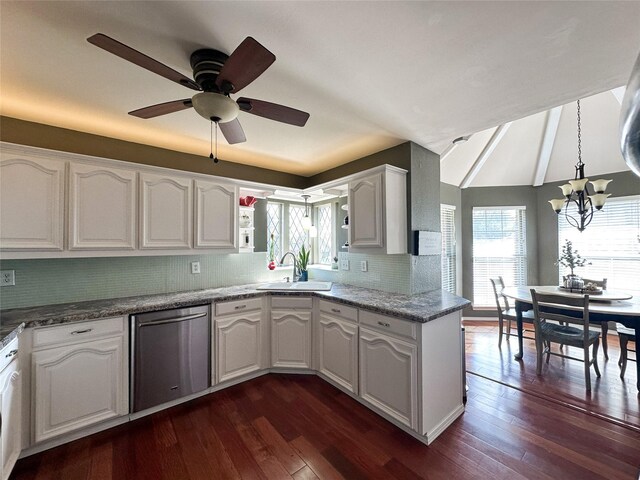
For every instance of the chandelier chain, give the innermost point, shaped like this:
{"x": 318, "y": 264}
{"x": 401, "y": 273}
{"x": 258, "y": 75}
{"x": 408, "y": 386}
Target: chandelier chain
{"x": 579, "y": 136}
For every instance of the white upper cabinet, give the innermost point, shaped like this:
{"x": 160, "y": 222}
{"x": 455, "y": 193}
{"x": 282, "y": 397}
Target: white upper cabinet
{"x": 102, "y": 208}
{"x": 31, "y": 203}
{"x": 378, "y": 212}
{"x": 365, "y": 216}
{"x": 165, "y": 211}
{"x": 216, "y": 215}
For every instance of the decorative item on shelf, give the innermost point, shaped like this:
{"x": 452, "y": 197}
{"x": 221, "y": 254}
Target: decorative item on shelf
{"x": 245, "y": 221}
{"x": 334, "y": 265}
{"x": 247, "y": 201}
{"x": 306, "y": 220}
{"x": 303, "y": 263}
{"x": 345, "y": 207}
{"x": 571, "y": 259}
{"x": 272, "y": 253}
{"x": 345, "y": 223}
{"x": 576, "y": 192}
{"x": 247, "y": 240}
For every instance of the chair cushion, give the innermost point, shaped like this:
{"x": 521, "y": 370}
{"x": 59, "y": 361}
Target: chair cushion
{"x": 527, "y": 317}
{"x": 566, "y": 334}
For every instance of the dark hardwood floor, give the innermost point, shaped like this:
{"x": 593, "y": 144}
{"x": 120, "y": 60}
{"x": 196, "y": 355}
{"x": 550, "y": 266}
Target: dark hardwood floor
{"x": 295, "y": 426}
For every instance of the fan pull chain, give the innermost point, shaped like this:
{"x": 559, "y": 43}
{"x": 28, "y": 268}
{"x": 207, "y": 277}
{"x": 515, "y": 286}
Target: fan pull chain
{"x": 211, "y": 155}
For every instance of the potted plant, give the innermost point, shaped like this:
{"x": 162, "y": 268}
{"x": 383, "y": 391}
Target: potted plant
{"x": 303, "y": 263}
{"x": 571, "y": 259}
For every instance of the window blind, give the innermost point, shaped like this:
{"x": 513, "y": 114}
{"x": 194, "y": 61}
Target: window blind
{"x": 499, "y": 249}
{"x": 611, "y": 242}
{"x": 448, "y": 229}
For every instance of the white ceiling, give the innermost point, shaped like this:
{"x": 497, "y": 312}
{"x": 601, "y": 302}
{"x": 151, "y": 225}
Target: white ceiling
{"x": 371, "y": 74}
{"x": 514, "y": 159}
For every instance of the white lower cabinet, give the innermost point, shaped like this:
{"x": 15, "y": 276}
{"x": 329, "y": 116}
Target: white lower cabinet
{"x": 338, "y": 351}
{"x": 10, "y": 411}
{"x": 78, "y": 385}
{"x": 238, "y": 344}
{"x": 291, "y": 338}
{"x": 389, "y": 376}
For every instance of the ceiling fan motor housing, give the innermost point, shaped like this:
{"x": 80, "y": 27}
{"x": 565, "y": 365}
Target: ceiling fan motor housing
{"x": 206, "y": 64}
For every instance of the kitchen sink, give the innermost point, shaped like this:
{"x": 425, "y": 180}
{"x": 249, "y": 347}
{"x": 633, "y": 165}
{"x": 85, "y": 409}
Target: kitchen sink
{"x": 298, "y": 286}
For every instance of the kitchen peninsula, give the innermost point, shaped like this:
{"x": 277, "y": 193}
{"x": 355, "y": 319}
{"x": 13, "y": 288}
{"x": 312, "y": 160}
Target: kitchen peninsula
{"x": 400, "y": 355}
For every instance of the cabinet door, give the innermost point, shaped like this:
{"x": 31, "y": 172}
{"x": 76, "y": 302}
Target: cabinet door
{"x": 291, "y": 339}
{"x": 389, "y": 376}
{"x": 78, "y": 385}
{"x": 216, "y": 213}
{"x": 239, "y": 345}
{"x": 102, "y": 208}
{"x": 10, "y": 409}
{"x": 365, "y": 212}
{"x": 165, "y": 211}
{"x": 31, "y": 204}
{"x": 338, "y": 351}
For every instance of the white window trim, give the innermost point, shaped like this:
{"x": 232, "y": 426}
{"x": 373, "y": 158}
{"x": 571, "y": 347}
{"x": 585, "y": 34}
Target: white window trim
{"x": 526, "y": 255}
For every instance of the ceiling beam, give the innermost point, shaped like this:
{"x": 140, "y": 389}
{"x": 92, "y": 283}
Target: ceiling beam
{"x": 485, "y": 154}
{"x": 546, "y": 147}
{"x": 619, "y": 93}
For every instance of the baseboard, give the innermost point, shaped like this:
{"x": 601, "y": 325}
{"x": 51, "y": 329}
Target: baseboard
{"x": 442, "y": 426}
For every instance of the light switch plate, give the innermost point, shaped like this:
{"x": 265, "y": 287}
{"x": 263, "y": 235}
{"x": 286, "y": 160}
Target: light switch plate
{"x": 195, "y": 267}
{"x": 344, "y": 264}
{"x": 364, "y": 266}
{"x": 7, "y": 278}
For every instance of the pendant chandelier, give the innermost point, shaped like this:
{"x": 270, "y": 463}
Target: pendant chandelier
{"x": 576, "y": 192}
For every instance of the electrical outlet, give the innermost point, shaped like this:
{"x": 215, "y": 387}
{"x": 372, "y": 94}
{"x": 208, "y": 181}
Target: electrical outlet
{"x": 344, "y": 264}
{"x": 195, "y": 267}
{"x": 364, "y": 266}
{"x": 7, "y": 278}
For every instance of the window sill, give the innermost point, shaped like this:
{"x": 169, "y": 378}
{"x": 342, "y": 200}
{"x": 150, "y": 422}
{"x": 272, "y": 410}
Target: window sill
{"x": 319, "y": 266}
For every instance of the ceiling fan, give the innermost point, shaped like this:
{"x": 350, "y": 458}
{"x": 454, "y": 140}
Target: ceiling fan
{"x": 216, "y": 75}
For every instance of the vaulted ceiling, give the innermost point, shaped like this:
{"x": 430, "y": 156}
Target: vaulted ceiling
{"x": 371, "y": 74}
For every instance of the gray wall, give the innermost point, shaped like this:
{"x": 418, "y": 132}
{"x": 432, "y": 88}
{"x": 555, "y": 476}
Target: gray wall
{"x": 424, "y": 214}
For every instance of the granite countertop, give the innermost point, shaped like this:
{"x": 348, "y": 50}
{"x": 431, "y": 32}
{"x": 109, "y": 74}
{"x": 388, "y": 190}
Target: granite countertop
{"x": 421, "y": 307}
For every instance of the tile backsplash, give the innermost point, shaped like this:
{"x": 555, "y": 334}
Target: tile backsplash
{"x": 62, "y": 280}
{"x": 390, "y": 273}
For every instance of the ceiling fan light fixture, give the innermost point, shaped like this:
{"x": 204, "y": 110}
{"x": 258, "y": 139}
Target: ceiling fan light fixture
{"x": 215, "y": 107}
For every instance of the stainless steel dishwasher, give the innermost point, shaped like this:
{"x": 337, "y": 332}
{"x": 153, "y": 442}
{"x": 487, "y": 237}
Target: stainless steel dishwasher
{"x": 170, "y": 355}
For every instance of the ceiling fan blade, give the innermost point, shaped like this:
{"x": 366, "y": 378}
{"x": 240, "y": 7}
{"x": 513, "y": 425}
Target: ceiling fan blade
{"x": 162, "y": 108}
{"x": 140, "y": 59}
{"x": 246, "y": 63}
{"x": 232, "y": 131}
{"x": 273, "y": 111}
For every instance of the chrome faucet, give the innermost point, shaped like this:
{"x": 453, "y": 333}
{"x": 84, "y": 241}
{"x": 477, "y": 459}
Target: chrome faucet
{"x": 296, "y": 275}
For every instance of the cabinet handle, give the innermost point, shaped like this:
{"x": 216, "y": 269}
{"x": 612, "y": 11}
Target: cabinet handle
{"x": 11, "y": 354}
{"x": 335, "y": 310}
{"x": 78, "y": 332}
{"x": 240, "y": 307}
{"x": 384, "y": 324}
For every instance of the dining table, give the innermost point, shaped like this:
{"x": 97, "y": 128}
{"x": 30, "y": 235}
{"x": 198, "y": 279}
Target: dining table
{"x": 606, "y": 306}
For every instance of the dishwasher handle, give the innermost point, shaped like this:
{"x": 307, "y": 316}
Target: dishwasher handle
{"x": 172, "y": 320}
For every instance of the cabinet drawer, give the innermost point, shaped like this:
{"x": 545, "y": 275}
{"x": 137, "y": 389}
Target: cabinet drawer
{"x": 391, "y": 325}
{"x": 291, "y": 302}
{"x": 238, "y": 306}
{"x": 77, "y": 332}
{"x": 9, "y": 354}
{"x": 337, "y": 309}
